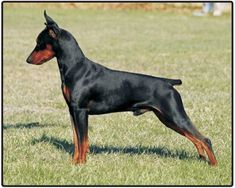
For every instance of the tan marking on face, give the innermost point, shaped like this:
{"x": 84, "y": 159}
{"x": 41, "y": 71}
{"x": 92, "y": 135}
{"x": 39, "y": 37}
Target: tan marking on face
{"x": 42, "y": 56}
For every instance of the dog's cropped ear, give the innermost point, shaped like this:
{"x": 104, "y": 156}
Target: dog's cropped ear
{"x": 52, "y": 26}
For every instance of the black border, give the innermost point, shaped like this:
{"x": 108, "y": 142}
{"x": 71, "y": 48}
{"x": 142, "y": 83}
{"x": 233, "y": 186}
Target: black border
{"x": 102, "y": 1}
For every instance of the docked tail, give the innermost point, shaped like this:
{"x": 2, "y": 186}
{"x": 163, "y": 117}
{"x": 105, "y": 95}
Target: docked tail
{"x": 174, "y": 82}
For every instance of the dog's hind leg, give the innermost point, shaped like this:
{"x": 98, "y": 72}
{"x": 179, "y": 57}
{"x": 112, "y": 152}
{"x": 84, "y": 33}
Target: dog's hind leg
{"x": 172, "y": 114}
{"x": 174, "y": 127}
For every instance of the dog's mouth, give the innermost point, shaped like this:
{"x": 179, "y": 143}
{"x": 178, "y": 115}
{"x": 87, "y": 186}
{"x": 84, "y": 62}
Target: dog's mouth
{"x": 40, "y": 57}
{"x": 38, "y": 62}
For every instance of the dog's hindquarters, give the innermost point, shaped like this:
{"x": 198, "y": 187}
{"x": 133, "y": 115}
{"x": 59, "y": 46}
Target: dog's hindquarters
{"x": 170, "y": 110}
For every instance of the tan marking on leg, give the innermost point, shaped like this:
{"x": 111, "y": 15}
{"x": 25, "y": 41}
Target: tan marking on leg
{"x": 84, "y": 147}
{"x": 200, "y": 145}
{"x": 211, "y": 156}
{"x": 195, "y": 141}
{"x": 76, "y": 147}
{"x": 197, "y": 144}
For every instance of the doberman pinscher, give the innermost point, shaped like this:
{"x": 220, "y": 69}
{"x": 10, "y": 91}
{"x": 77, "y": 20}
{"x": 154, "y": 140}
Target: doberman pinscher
{"x": 90, "y": 88}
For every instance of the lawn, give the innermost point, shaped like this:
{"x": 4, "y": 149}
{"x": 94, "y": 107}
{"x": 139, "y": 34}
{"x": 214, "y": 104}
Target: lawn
{"x": 125, "y": 150}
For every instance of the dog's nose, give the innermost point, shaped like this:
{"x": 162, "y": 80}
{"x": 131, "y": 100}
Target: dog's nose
{"x": 29, "y": 60}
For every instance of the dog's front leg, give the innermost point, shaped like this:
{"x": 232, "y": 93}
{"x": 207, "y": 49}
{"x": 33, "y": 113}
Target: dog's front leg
{"x": 79, "y": 118}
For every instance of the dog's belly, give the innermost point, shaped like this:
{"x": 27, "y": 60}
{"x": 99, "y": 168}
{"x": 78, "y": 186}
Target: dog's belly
{"x": 104, "y": 107}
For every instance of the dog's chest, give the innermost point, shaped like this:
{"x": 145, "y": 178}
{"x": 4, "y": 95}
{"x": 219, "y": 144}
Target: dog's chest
{"x": 66, "y": 93}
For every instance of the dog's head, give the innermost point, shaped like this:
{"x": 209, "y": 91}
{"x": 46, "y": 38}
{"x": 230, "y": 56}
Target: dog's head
{"x": 46, "y": 41}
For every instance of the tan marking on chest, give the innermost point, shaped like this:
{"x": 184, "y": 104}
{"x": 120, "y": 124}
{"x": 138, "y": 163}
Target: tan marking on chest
{"x": 66, "y": 92}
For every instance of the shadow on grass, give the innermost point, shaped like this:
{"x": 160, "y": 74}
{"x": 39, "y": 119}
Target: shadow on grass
{"x": 60, "y": 144}
{"x": 24, "y": 125}
{"x": 131, "y": 150}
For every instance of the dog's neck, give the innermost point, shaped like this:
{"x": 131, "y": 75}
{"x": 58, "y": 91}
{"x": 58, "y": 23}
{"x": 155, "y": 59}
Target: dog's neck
{"x": 69, "y": 55}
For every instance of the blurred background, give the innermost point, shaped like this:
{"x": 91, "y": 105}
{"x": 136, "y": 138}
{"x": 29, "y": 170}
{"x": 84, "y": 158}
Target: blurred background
{"x": 178, "y": 7}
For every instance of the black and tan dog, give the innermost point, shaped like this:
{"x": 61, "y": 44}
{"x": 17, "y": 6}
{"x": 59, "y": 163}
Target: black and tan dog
{"x": 90, "y": 88}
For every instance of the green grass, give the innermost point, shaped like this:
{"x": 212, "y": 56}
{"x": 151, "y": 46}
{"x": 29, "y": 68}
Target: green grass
{"x": 125, "y": 150}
